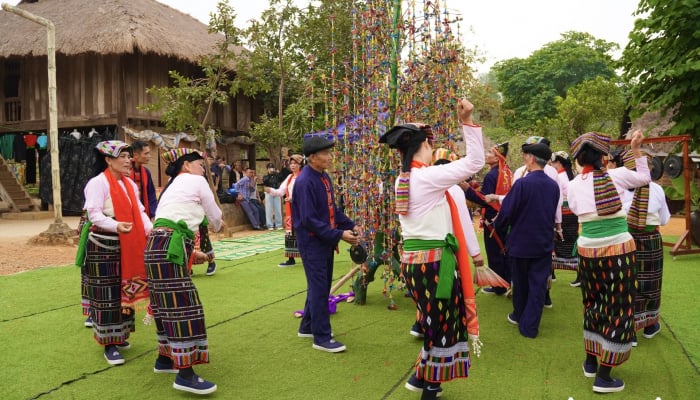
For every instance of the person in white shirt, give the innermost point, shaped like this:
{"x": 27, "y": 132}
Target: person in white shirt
{"x": 440, "y": 283}
{"x": 111, "y": 250}
{"x": 177, "y": 310}
{"x": 563, "y": 257}
{"x": 646, "y": 210}
{"x": 606, "y": 252}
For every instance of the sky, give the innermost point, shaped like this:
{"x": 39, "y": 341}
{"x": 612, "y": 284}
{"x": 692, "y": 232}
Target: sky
{"x": 500, "y": 29}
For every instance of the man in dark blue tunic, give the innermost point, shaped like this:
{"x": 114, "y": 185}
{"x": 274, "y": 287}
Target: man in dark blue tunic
{"x": 319, "y": 226}
{"x": 528, "y": 210}
{"x": 493, "y": 240}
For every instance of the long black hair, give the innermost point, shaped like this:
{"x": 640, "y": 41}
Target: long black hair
{"x": 590, "y": 156}
{"x": 566, "y": 163}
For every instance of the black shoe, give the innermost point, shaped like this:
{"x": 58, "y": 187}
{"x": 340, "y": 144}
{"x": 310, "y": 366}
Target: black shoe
{"x": 287, "y": 263}
{"x": 431, "y": 391}
{"x": 211, "y": 269}
{"x": 603, "y": 386}
{"x": 651, "y": 331}
{"x": 416, "y": 331}
{"x": 575, "y": 283}
{"x": 548, "y": 301}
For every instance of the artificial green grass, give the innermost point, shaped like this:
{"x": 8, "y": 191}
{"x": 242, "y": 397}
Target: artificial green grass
{"x": 255, "y": 353}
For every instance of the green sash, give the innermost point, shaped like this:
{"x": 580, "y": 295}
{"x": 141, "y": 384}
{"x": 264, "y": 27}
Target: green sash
{"x": 176, "y": 250}
{"x": 82, "y": 245}
{"x": 604, "y": 227}
{"x": 448, "y": 261}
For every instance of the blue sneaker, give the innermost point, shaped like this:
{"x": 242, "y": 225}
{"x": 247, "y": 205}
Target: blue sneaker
{"x": 113, "y": 357}
{"x": 511, "y": 319}
{"x": 194, "y": 385}
{"x": 492, "y": 290}
{"x": 164, "y": 367}
{"x": 603, "y": 386}
{"x": 651, "y": 331}
{"x": 414, "y": 384}
{"x": 88, "y": 322}
{"x": 589, "y": 370}
{"x": 211, "y": 269}
{"x": 416, "y": 331}
{"x": 330, "y": 346}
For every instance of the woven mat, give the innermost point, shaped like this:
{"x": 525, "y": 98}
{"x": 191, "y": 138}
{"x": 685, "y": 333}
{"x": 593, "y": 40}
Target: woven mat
{"x": 233, "y": 249}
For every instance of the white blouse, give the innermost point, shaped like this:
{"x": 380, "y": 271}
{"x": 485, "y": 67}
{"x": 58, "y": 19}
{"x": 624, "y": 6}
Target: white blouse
{"x": 98, "y": 203}
{"x": 428, "y": 216}
{"x": 657, "y": 211}
{"x": 189, "y": 198}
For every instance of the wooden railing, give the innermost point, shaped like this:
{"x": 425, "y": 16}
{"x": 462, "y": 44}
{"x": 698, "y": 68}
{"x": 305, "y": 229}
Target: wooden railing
{"x": 13, "y": 109}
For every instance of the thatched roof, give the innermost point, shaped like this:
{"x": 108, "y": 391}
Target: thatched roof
{"x": 106, "y": 27}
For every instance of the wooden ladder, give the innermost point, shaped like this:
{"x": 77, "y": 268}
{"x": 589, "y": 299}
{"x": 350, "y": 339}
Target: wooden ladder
{"x": 12, "y": 192}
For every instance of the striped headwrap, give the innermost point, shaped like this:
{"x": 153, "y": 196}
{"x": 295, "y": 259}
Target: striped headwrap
{"x": 596, "y": 140}
{"x": 637, "y": 214}
{"x": 111, "y": 148}
{"x": 173, "y": 154}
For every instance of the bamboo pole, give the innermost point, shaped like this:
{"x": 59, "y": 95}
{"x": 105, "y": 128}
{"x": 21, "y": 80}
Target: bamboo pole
{"x": 58, "y": 225}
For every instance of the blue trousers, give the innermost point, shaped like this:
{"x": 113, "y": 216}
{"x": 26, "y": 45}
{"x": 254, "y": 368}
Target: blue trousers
{"x": 318, "y": 267}
{"x": 529, "y": 288}
{"x": 251, "y": 212}
{"x": 497, "y": 261}
{"x": 273, "y": 211}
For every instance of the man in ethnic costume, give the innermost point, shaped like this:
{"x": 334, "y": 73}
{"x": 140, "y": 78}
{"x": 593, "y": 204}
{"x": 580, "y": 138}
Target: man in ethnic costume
{"x": 319, "y": 226}
{"x": 528, "y": 213}
{"x": 440, "y": 283}
{"x": 497, "y": 181}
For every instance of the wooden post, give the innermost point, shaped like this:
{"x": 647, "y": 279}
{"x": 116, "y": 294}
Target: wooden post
{"x": 58, "y": 226}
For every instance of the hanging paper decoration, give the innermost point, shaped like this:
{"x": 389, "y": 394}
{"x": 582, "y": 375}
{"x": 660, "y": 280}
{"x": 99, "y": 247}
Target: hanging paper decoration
{"x": 407, "y": 66}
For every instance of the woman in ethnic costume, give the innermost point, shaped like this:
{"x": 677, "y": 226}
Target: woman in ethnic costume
{"x": 646, "y": 210}
{"x": 563, "y": 257}
{"x": 112, "y": 240}
{"x": 290, "y": 238}
{"x": 432, "y": 234}
{"x": 185, "y": 202}
{"x": 606, "y": 252}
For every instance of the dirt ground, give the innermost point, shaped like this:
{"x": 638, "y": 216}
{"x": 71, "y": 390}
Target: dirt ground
{"x": 18, "y": 255}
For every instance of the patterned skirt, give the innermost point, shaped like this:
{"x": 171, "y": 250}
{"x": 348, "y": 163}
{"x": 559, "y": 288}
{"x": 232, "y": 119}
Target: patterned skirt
{"x": 101, "y": 286}
{"x": 290, "y": 245}
{"x": 177, "y": 310}
{"x": 445, "y": 353}
{"x": 650, "y": 265}
{"x": 562, "y": 258}
{"x": 608, "y": 289}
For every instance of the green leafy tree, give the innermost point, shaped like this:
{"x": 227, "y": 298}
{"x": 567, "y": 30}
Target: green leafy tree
{"x": 662, "y": 62}
{"x": 274, "y": 53}
{"x": 530, "y": 86}
{"x": 187, "y": 104}
{"x": 266, "y": 132}
{"x": 593, "y": 105}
